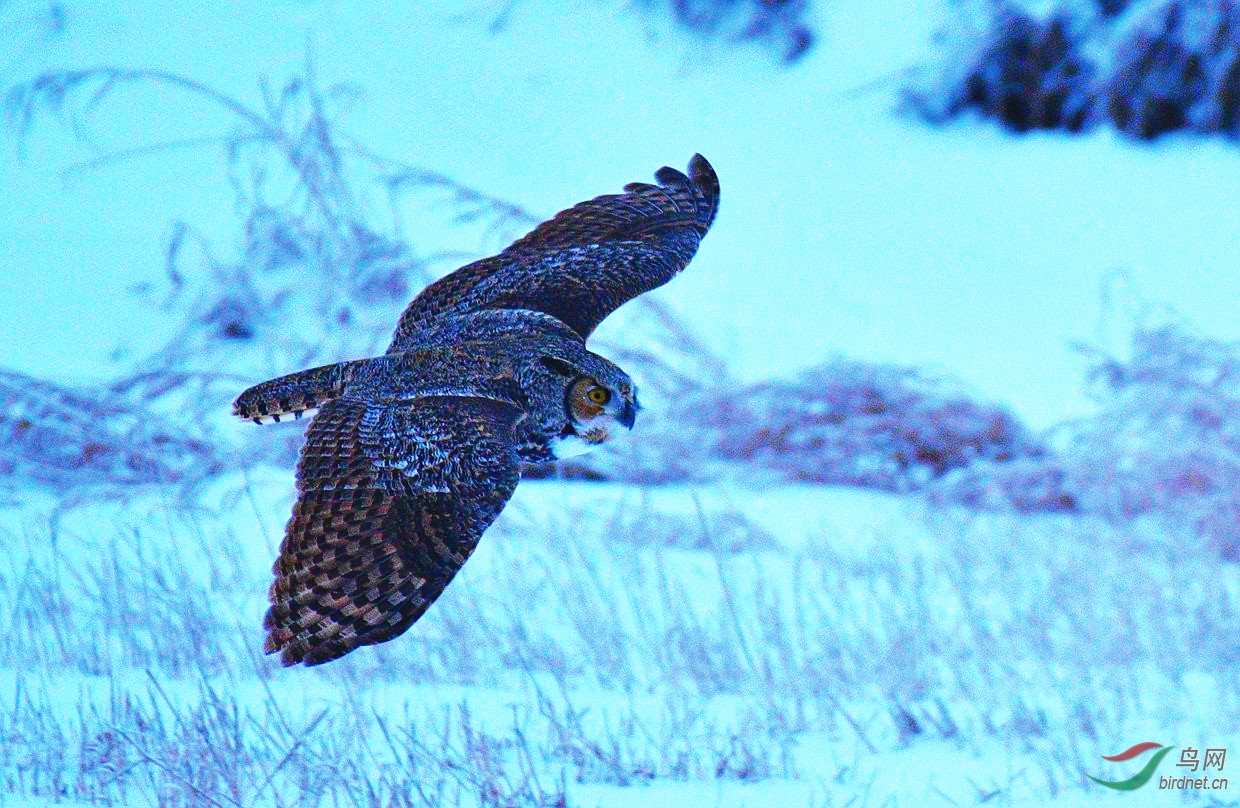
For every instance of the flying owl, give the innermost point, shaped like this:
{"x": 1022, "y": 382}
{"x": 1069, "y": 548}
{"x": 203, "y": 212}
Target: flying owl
{"x": 410, "y": 456}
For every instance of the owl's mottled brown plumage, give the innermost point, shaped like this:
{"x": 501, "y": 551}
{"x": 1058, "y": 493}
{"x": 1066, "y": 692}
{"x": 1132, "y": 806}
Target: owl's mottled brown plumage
{"x": 587, "y": 261}
{"x": 370, "y": 546}
{"x": 412, "y": 455}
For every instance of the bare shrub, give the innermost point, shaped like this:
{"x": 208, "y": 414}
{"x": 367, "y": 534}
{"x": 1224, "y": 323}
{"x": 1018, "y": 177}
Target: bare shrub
{"x": 854, "y": 423}
{"x": 1165, "y": 443}
{"x": 319, "y": 251}
{"x": 66, "y": 440}
{"x": 1168, "y": 438}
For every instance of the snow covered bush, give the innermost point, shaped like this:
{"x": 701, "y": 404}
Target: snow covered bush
{"x": 840, "y": 423}
{"x": 778, "y": 23}
{"x": 1028, "y": 74}
{"x": 1146, "y": 67}
{"x": 74, "y": 440}
{"x": 1165, "y": 444}
{"x": 853, "y": 423}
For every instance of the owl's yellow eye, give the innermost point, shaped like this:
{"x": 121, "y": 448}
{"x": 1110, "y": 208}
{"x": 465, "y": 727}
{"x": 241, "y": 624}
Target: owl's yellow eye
{"x": 599, "y": 395}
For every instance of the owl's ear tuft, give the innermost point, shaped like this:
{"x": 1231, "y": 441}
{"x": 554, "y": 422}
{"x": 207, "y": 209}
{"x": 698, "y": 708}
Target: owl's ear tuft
{"x": 558, "y": 366}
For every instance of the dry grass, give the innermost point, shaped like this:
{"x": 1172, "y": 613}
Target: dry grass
{"x": 619, "y": 662}
{"x": 322, "y": 259}
{"x": 91, "y": 442}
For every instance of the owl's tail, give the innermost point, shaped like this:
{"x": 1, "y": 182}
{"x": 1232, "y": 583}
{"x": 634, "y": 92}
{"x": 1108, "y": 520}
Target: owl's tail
{"x": 297, "y": 395}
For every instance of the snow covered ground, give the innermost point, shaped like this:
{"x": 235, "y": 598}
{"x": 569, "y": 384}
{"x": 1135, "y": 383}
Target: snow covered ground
{"x": 736, "y": 643}
{"x": 839, "y": 646}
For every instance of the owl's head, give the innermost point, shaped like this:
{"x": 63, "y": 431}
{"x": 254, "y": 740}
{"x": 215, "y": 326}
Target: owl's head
{"x": 599, "y": 398}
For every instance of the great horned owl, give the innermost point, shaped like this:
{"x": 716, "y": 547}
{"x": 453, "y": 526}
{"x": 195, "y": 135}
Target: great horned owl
{"x": 413, "y": 454}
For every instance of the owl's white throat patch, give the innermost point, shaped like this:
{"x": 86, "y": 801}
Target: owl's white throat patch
{"x": 572, "y": 444}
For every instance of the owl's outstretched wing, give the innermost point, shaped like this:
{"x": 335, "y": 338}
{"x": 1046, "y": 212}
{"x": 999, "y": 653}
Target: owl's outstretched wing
{"x": 587, "y": 261}
{"x": 392, "y": 499}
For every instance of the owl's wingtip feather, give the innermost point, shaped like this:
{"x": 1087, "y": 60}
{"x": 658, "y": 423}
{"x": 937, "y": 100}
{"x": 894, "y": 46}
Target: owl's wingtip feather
{"x": 703, "y": 175}
{"x": 701, "y": 181}
{"x": 706, "y": 181}
{"x": 287, "y": 656}
{"x": 292, "y": 653}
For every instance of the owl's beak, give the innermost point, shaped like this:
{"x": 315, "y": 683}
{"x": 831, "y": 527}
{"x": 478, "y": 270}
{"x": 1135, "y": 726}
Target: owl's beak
{"x": 628, "y": 415}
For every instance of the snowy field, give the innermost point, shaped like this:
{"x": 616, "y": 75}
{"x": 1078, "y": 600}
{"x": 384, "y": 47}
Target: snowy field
{"x": 731, "y": 634}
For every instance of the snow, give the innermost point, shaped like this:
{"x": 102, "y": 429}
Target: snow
{"x": 845, "y": 228}
{"x": 731, "y": 644}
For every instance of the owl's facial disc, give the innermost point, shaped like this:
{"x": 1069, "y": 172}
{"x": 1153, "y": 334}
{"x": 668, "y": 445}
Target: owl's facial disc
{"x": 593, "y": 413}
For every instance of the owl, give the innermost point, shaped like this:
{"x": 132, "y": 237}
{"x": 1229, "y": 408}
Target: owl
{"x": 410, "y": 456}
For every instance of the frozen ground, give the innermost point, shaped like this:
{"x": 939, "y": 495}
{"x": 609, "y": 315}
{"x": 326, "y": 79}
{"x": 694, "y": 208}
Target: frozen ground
{"x": 731, "y": 644}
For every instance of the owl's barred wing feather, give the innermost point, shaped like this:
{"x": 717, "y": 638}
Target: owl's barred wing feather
{"x": 392, "y": 499}
{"x": 587, "y": 261}
{"x": 295, "y": 395}
{"x": 678, "y": 201}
